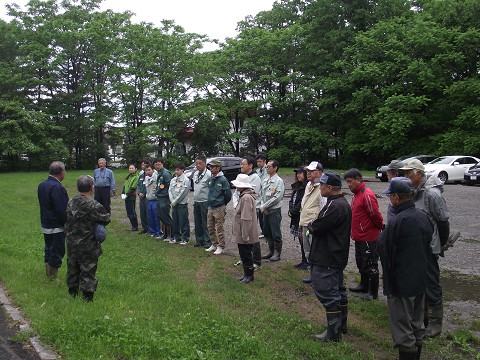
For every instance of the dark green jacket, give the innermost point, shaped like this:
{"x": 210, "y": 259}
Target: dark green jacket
{"x": 219, "y": 192}
{"x": 164, "y": 177}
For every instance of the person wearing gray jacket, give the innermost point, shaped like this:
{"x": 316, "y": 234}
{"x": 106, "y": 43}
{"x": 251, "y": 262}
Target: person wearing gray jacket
{"x": 273, "y": 189}
{"x": 428, "y": 197}
{"x": 178, "y": 194}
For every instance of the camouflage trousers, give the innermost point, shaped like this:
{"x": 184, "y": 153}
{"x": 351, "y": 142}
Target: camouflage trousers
{"x": 81, "y": 272}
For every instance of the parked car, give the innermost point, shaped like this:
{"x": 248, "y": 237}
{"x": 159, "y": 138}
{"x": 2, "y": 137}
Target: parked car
{"x": 382, "y": 170}
{"x": 450, "y": 168}
{"x": 230, "y": 167}
{"x": 472, "y": 175}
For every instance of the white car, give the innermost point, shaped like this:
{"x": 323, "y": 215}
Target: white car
{"x": 450, "y": 168}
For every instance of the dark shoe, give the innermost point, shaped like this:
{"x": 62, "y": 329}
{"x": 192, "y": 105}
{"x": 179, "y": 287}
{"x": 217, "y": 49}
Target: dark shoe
{"x": 247, "y": 279}
{"x": 307, "y": 280}
{"x": 143, "y": 231}
{"x": 372, "y": 289}
{"x": 207, "y": 245}
{"x": 301, "y": 266}
{"x": 52, "y": 273}
{"x": 344, "y": 311}
{"x": 267, "y": 257}
{"x": 133, "y": 229}
{"x": 198, "y": 245}
{"x": 73, "y": 292}
{"x": 407, "y": 353}
{"x": 334, "y": 324}
{"x": 362, "y": 287}
{"x": 88, "y": 296}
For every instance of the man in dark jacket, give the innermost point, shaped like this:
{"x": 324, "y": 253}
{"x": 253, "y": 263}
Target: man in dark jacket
{"x": 53, "y": 199}
{"x": 83, "y": 212}
{"x": 329, "y": 255}
{"x": 404, "y": 247}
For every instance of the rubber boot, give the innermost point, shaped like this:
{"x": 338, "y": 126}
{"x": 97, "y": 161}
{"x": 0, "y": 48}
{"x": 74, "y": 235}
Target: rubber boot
{"x": 248, "y": 271}
{"x": 277, "y": 251}
{"x": 419, "y": 345}
{"x": 362, "y": 287}
{"x": 407, "y": 353}
{"x": 270, "y": 248}
{"x": 334, "y": 324}
{"x": 88, "y": 296}
{"x": 344, "y": 310}
{"x": 47, "y": 269}
{"x": 372, "y": 288}
{"x": 52, "y": 273}
{"x": 435, "y": 320}
{"x": 73, "y": 292}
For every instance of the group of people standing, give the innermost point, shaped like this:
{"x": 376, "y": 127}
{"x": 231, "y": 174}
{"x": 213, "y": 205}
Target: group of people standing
{"x": 408, "y": 246}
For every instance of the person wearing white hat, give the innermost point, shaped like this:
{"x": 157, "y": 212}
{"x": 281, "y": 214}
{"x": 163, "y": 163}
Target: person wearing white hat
{"x": 244, "y": 229}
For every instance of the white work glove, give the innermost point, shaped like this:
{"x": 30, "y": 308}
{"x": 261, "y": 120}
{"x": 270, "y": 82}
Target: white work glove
{"x": 124, "y": 196}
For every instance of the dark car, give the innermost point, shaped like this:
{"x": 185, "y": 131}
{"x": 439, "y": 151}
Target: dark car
{"x": 472, "y": 175}
{"x": 381, "y": 172}
{"x": 230, "y": 167}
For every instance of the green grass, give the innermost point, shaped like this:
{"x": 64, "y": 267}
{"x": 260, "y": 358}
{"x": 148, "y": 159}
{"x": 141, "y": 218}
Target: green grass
{"x": 158, "y": 301}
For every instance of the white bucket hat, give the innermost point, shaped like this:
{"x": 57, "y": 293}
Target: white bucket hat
{"x": 242, "y": 182}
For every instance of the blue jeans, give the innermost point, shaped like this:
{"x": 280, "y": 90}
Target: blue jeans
{"x": 153, "y": 223}
{"x": 54, "y": 249}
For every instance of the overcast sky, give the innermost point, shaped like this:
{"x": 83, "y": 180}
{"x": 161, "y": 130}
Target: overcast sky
{"x": 215, "y": 18}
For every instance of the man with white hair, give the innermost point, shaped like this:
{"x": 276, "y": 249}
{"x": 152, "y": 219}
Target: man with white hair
{"x": 104, "y": 184}
{"x": 428, "y": 197}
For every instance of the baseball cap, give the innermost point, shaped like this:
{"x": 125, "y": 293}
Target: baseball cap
{"x": 413, "y": 164}
{"x": 314, "y": 165}
{"x": 331, "y": 178}
{"x": 395, "y": 165}
{"x": 215, "y": 163}
{"x": 399, "y": 185}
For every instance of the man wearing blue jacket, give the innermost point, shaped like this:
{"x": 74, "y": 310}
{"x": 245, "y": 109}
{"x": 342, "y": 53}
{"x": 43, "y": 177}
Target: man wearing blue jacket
{"x": 53, "y": 199}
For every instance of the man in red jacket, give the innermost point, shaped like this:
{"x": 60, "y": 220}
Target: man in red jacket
{"x": 367, "y": 222}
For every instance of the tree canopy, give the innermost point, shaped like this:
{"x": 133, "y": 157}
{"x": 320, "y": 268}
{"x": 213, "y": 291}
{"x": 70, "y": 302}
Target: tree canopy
{"x": 345, "y": 82}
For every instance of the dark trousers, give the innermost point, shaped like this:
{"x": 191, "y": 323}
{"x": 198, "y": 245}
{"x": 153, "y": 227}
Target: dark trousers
{"x": 328, "y": 286}
{"x": 54, "y": 249}
{"x": 433, "y": 293}
{"x": 163, "y": 206}
{"x": 130, "y": 203}
{"x": 102, "y": 195}
{"x": 245, "y": 251}
{"x": 143, "y": 213}
{"x": 366, "y": 257}
{"x": 200, "y": 211}
{"x": 405, "y": 316}
{"x": 260, "y": 219}
{"x": 181, "y": 226}
{"x": 271, "y": 225}
{"x": 257, "y": 254}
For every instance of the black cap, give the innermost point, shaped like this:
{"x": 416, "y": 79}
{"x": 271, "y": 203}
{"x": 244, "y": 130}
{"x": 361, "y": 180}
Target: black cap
{"x": 331, "y": 178}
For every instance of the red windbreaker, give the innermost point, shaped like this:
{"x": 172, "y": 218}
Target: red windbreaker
{"x": 367, "y": 221}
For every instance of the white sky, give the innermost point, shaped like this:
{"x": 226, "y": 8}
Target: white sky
{"x": 215, "y": 18}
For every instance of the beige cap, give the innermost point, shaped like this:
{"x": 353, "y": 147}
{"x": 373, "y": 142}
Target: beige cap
{"x": 413, "y": 164}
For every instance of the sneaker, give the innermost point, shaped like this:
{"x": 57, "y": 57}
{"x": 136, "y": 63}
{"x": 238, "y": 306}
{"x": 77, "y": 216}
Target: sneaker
{"x": 143, "y": 231}
{"x": 307, "y": 280}
{"x": 211, "y": 248}
{"x": 183, "y": 242}
{"x": 166, "y": 240}
{"x": 256, "y": 267}
{"x": 159, "y": 237}
{"x": 219, "y": 251}
{"x": 173, "y": 241}
{"x": 261, "y": 236}
{"x": 238, "y": 263}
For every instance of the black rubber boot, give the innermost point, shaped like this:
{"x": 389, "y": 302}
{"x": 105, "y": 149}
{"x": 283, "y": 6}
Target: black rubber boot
{"x": 363, "y": 286}
{"x": 248, "y": 271}
{"x": 334, "y": 324}
{"x": 88, "y": 296}
{"x": 344, "y": 311}
{"x": 277, "y": 251}
{"x": 435, "y": 314}
{"x": 270, "y": 248}
{"x": 407, "y": 353}
{"x": 73, "y": 292}
{"x": 372, "y": 288}
{"x": 419, "y": 345}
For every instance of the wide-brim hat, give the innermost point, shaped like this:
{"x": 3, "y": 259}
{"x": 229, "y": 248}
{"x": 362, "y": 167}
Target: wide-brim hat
{"x": 242, "y": 181}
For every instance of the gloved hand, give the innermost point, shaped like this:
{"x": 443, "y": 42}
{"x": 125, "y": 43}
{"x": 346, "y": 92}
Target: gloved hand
{"x": 261, "y": 208}
{"x": 124, "y": 196}
{"x": 289, "y": 214}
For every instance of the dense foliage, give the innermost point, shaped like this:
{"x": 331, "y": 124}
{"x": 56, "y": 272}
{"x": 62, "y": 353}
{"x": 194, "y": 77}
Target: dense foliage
{"x": 348, "y": 82}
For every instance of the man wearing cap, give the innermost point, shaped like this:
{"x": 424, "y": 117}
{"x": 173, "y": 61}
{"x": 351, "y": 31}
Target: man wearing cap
{"x": 219, "y": 195}
{"x": 404, "y": 247}
{"x": 428, "y": 197}
{"x": 244, "y": 227}
{"x": 367, "y": 222}
{"x": 272, "y": 192}
{"x": 329, "y": 255}
{"x": 247, "y": 165}
{"x": 312, "y": 203}
{"x": 393, "y": 170}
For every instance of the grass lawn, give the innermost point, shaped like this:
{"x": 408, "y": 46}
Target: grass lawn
{"x": 158, "y": 301}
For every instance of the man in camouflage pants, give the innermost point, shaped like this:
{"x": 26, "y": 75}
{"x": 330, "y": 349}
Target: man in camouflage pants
{"x": 83, "y": 249}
